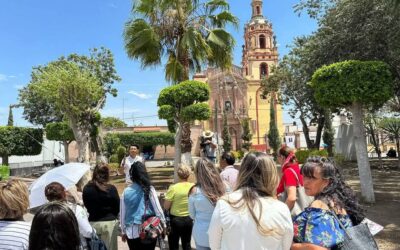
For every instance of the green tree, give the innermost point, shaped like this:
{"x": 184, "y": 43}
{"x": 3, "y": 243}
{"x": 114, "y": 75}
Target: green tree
{"x": 19, "y": 141}
{"x": 184, "y": 103}
{"x": 188, "y": 33}
{"x": 10, "y": 117}
{"x": 246, "y": 134}
{"x": 355, "y": 85}
{"x": 392, "y": 127}
{"x": 112, "y": 122}
{"x": 273, "y": 134}
{"x": 371, "y": 123}
{"x": 290, "y": 79}
{"x": 226, "y": 137}
{"x": 98, "y": 66}
{"x": 72, "y": 91}
{"x": 60, "y": 131}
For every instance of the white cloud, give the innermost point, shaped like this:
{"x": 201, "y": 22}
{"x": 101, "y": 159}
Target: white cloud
{"x": 140, "y": 95}
{"x": 4, "y": 77}
{"x": 18, "y": 86}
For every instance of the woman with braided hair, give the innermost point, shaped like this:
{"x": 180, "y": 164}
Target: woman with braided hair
{"x": 317, "y": 227}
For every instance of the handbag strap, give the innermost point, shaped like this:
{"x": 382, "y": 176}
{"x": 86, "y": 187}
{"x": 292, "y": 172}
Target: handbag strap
{"x": 295, "y": 174}
{"x": 340, "y": 223}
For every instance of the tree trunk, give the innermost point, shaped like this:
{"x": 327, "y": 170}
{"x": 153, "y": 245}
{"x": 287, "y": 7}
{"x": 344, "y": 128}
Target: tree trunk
{"x": 66, "y": 151}
{"x": 306, "y": 132}
{"x": 4, "y": 160}
{"x": 186, "y": 144}
{"x": 82, "y": 139}
{"x": 320, "y": 127}
{"x": 367, "y": 189}
{"x": 177, "y": 159}
{"x": 398, "y": 151}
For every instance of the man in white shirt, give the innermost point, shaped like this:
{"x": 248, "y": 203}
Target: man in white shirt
{"x": 229, "y": 172}
{"x": 129, "y": 160}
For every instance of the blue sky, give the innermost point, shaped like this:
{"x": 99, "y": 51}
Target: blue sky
{"x": 37, "y": 32}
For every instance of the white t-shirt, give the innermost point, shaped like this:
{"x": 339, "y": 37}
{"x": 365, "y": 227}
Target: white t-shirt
{"x": 127, "y": 166}
{"x": 231, "y": 228}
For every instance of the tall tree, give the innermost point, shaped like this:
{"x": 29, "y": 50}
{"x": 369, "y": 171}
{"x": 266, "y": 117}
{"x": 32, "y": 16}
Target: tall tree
{"x": 354, "y": 85}
{"x": 246, "y": 134}
{"x": 184, "y": 103}
{"x": 392, "y": 127}
{"x": 226, "y": 137}
{"x": 273, "y": 134}
{"x": 10, "y": 117}
{"x": 188, "y": 33}
{"x": 290, "y": 79}
{"x": 72, "y": 91}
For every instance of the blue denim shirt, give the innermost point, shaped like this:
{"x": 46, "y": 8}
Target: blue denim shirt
{"x": 201, "y": 210}
{"x": 135, "y": 205}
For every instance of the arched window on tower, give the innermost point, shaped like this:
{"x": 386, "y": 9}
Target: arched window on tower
{"x": 258, "y": 10}
{"x": 263, "y": 70}
{"x": 262, "y": 41}
{"x": 247, "y": 71}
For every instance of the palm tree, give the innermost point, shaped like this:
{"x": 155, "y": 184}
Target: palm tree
{"x": 189, "y": 34}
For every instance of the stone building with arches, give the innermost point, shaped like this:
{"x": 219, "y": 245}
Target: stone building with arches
{"x": 238, "y": 92}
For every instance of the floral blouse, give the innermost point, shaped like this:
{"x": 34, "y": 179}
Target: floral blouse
{"x": 319, "y": 227}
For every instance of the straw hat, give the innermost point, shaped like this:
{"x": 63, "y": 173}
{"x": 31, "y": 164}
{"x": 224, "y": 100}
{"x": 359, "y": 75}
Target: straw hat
{"x": 207, "y": 134}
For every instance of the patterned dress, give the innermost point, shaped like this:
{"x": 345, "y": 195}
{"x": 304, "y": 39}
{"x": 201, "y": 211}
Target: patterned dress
{"x": 319, "y": 227}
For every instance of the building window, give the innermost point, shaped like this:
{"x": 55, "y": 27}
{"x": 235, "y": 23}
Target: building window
{"x": 247, "y": 71}
{"x": 258, "y": 10}
{"x": 262, "y": 42}
{"x": 263, "y": 70}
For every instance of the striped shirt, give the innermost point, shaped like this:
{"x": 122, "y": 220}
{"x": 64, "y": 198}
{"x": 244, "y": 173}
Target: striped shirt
{"x": 14, "y": 235}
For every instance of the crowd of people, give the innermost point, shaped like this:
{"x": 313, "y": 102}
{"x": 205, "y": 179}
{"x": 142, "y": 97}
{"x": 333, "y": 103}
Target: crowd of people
{"x": 224, "y": 209}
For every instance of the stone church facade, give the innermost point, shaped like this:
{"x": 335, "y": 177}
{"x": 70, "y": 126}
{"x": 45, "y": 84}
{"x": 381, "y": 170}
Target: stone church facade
{"x": 238, "y": 92}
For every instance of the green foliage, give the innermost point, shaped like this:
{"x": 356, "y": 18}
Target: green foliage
{"x": 4, "y": 172}
{"x": 273, "y": 134}
{"x": 238, "y": 154}
{"x": 121, "y": 153}
{"x": 112, "y": 122}
{"x": 226, "y": 137}
{"x": 10, "y": 117}
{"x": 391, "y": 125}
{"x": 302, "y": 155}
{"x": 113, "y": 166}
{"x": 20, "y": 141}
{"x": 113, "y": 140}
{"x": 114, "y": 159}
{"x": 339, "y": 159}
{"x": 189, "y": 34}
{"x": 344, "y": 83}
{"x": 246, "y": 134}
{"x": 59, "y": 131}
{"x": 184, "y": 102}
{"x": 110, "y": 144}
{"x": 39, "y": 110}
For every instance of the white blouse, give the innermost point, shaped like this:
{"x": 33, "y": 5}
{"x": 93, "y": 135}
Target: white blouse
{"x": 231, "y": 228}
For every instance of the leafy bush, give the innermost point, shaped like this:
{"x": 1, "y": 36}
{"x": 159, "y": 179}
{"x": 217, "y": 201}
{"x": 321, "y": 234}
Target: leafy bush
{"x": 114, "y": 158}
{"x": 302, "y": 155}
{"x": 238, "y": 154}
{"x": 339, "y": 159}
{"x": 113, "y": 166}
{"x": 4, "y": 172}
{"x": 121, "y": 151}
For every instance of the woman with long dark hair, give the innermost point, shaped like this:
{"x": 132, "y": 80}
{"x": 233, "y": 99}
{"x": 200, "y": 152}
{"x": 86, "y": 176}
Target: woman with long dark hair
{"x": 323, "y": 180}
{"x": 203, "y": 197}
{"x": 54, "y": 227}
{"x": 101, "y": 199}
{"x": 138, "y": 201}
{"x": 291, "y": 178}
{"x": 251, "y": 217}
{"x": 57, "y": 192}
